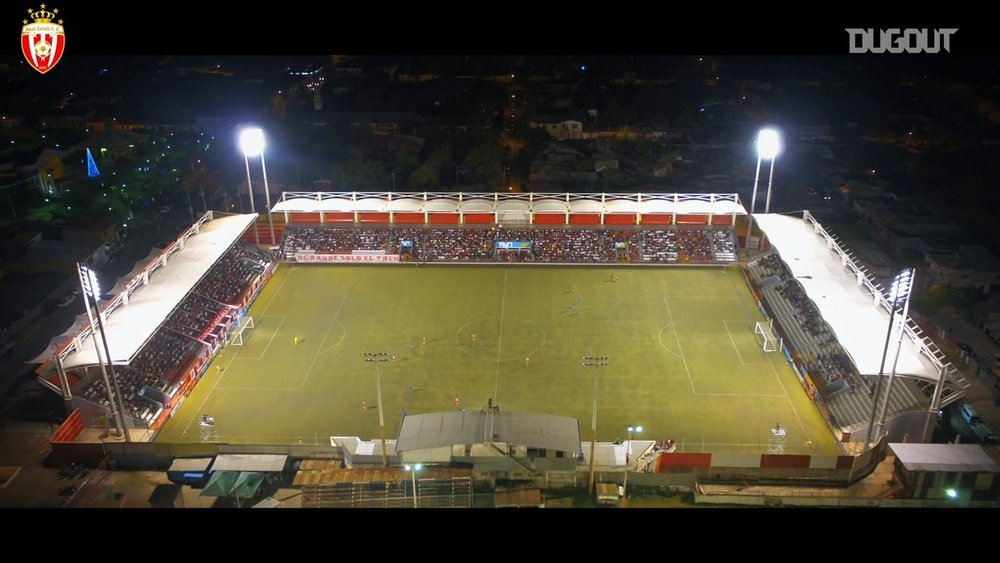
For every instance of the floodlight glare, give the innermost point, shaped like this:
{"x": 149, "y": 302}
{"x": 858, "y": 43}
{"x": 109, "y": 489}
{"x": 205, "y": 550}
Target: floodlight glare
{"x": 768, "y": 144}
{"x": 952, "y": 493}
{"x": 901, "y": 285}
{"x": 93, "y": 287}
{"x": 252, "y": 141}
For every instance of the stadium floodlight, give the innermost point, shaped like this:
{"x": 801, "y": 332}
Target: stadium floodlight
{"x": 632, "y": 429}
{"x": 902, "y": 284}
{"x": 768, "y": 147}
{"x": 252, "y": 143}
{"x": 900, "y": 291}
{"x": 377, "y": 358}
{"x": 413, "y": 477}
{"x": 92, "y": 290}
{"x": 768, "y": 144}
{"x": 595, "y": 362}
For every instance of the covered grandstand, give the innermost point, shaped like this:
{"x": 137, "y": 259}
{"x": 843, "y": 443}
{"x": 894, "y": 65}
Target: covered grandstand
{"x": 150, "y": 310}
{"x": 854, "y": 309}
{"x": 465, "y": 208}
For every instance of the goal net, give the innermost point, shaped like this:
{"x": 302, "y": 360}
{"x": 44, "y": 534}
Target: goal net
{"x": 236, "y": 334}
{"x": 765, "y": 336}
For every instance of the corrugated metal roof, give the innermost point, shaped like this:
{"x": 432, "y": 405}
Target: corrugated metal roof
{"x": 249, "y": 462}
{"x": 959, "y": 458}
{"x": 435, "y": 430}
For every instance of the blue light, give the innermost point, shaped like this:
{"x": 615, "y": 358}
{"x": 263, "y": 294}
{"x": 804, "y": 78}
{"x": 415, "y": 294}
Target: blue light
{"x": 583, "y": 67}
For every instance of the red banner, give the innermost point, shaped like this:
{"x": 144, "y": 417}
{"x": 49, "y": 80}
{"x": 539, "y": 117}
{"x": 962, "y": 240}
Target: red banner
{"x": 346, "y": 258}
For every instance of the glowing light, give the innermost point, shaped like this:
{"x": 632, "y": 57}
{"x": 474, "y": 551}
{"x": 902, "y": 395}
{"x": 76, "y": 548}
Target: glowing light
{"x": 252, "y": 141}
{"x": 768, "y": 144}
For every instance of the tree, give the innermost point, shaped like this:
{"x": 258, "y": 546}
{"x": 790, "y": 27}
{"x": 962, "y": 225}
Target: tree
{"x": 485, "y": 164}
{"x": 538, "y": 139}
{"x": 366, "y": 174}
{"x": 425, "y": 177}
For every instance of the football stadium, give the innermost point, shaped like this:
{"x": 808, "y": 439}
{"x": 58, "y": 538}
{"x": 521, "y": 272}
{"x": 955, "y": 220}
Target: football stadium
{"x": 539, "y": 337}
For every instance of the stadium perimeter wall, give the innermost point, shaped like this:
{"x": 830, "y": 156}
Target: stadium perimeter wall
{"x": 672, "y": 469}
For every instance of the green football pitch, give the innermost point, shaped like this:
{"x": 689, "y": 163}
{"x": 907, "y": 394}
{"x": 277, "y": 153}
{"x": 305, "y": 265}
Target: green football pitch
{"x": 683, "y": 359}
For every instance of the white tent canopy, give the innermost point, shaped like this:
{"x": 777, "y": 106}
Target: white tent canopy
{"x": 859, "y": 324}
{"x": 130, "y": 325}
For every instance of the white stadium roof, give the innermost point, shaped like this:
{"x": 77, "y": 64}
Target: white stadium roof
{"x": 442, "y": 202}
{"x": 129, "y": 325}
{"x": 849, "y": 308}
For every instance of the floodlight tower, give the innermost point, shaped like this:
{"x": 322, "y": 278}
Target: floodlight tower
{"x": 252, "y": 144}
{"x": 901, "y": 289}
{"x": 377, "y": 358}
{"x": 594, "y": 362}
{"x": 91, "y": 290}
{"x": 898, "y": 291}
{"x": 768, "y": 147}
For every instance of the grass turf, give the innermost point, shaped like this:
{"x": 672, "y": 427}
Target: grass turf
{"x": 683, "y": 360}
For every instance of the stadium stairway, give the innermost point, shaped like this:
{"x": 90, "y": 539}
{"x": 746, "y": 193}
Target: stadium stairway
{"x": 852, "y": 408}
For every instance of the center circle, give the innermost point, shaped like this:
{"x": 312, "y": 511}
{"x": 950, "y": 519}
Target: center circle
{"x": 490, "y": 339}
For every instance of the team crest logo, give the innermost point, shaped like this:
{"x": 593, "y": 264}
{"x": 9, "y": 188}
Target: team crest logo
{"x": 44, "y": 40}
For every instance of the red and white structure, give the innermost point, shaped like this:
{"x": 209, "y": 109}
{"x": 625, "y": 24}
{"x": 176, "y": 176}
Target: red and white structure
{"x": 478, "y": 208}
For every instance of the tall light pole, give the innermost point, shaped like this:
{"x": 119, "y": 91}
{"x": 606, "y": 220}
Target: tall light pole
{"x": 628, "y": 451}
{"x": 768, "y": 147}
{"x": 377, "y": 358}
{"x": 252, "y": 145}
{"x": 900, "y": 289}
{"x": 245, "y": 139}
{"x": 252, "y": 142}
{"x": 413, "y": 477}
{"x": 91, "y": 289}
{"x": 594, "y": 362}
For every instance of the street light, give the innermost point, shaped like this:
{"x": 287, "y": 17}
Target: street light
{"x": 595, "y": 362}
{"x": 628, "y": 451}
{"x": 899, "y": 290}
{"x": 768, "y": 147}
{"x": 252, "y": 143}
{"x": 413, "y": 477}
{"x": 91, "y": 289}
{"x": 377, "y": 358}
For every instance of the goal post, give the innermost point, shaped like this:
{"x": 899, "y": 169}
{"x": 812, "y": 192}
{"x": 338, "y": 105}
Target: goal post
{"x": 236, "y": 334}
{"x": 765, "y": 336}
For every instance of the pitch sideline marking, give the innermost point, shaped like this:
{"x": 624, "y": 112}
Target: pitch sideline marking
{"x": 773, "y": 370}
{"x": 277, "y": 292}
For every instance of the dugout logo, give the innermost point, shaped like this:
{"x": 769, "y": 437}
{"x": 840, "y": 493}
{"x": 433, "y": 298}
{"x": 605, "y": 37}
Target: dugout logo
{"x": 895, "y": 40}
{"x": 43, "y": 40}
